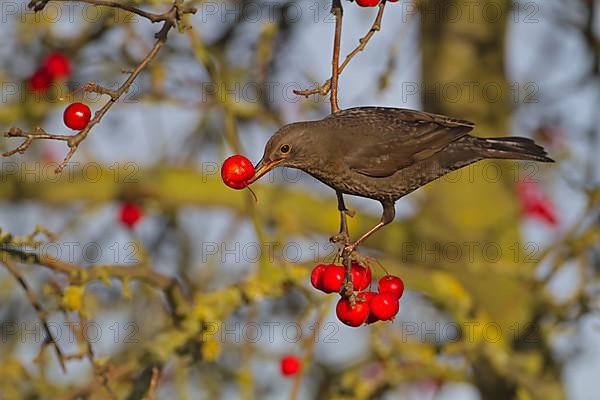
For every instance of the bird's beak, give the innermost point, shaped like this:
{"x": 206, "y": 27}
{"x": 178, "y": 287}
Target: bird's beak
{"x": 262, "y": 168}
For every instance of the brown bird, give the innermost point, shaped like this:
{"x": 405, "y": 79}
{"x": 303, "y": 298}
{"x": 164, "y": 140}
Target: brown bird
{"x": 384, "y": 153}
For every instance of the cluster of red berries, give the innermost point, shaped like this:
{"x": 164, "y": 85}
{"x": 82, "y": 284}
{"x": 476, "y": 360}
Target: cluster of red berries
{"x": 369, "y": 306}
{"x": 55, "y": 66}
{"x": 236, "y": 171}
{"x": 371, "y": 3}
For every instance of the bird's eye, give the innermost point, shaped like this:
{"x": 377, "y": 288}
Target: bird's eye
{"x": 285, "y": 148}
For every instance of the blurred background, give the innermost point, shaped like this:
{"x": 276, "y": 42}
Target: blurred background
{"x": 156, "y": 281}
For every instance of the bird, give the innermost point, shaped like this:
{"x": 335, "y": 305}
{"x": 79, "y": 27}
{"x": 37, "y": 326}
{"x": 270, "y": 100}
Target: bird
{"x": 384, "y": 153}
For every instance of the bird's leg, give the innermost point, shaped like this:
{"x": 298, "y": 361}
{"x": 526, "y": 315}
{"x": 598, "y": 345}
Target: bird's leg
{"x": 343, "y": 237}
{"x": 388, "y": 216}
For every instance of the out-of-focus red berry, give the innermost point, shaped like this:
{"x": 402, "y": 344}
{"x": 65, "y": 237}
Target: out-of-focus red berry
{"x": 535, "y": 203}
{"x": 40, "y": 81}
{"x": 130, "y": 214}
{"x": 236, "y": 171}
{"x": 57, "y": 65}
{"x": 290, "y": 365}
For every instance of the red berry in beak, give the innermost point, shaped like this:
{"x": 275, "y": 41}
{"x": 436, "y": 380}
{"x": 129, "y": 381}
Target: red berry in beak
{"x": 236, "y": 171}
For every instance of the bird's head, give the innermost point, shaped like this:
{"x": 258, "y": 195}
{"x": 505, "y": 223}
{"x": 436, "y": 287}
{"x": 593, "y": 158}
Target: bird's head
{"x": 288, "y": 147}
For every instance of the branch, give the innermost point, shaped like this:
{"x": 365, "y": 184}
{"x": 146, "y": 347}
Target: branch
{"x": 38, "y": 5}
{"x": 39, "y": 310}
{"x": 78, "y": 275}
{"x": 151, "y": 395}
{"x": 338, "y": 11}
{"x": 326, "y": 87}
{"x": 170, "y": 19}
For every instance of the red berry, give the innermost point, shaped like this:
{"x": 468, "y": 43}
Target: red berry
{"x": 352, "y": 316}
{"x": 367, "y": 3}
{"x": 77, "y": 116}
{"x": 236, "y": 171}
{"x": 384, "y": 306}
{"x": 290, "y": 365}
{"x": 130, "y": 214}
{"x": 366, "y": 298}
{"x": 57, "y": 65}
{"x": 535, "y": 203}
{"x": 315, "y": 276}
{"x": 361, "y": 276}
{"x": 40, "y": 81}
{"x": 332, "y": 278}
{"x": 391, "y": 284}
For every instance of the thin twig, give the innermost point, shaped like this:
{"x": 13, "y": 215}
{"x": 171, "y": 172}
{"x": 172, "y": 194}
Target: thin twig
{"x": 338, "y": 11}
{"x": 170, "y": 19}
{"x": 41, "y": 313}
{"x": 153, "y": 384}
{"x": 38, "y": 5}
{"x": 310, "y": 344}
{"x": 79, "y": 275}
{"x": 326, "y": 87}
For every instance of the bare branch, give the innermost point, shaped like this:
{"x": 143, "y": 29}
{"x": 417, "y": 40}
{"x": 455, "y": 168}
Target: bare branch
{"x": 38, "y": 5}
{"x": 326, "y": 87}
{"x": 338, "y": 11}
{"x": 153, "y": 384}
{"x": 170, "y": 19}
{"x": 41, "y": 313}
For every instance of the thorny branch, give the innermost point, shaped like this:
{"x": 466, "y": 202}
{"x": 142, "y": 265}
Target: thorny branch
{"x": 170, "y": 19}
{"x": 328, "y": 86}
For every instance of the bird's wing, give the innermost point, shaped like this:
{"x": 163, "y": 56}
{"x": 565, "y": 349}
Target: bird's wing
{"x": 392, "y": 138}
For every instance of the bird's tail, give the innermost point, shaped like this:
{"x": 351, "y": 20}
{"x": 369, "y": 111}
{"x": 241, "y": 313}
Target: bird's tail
{"x": 513, "y": 148}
